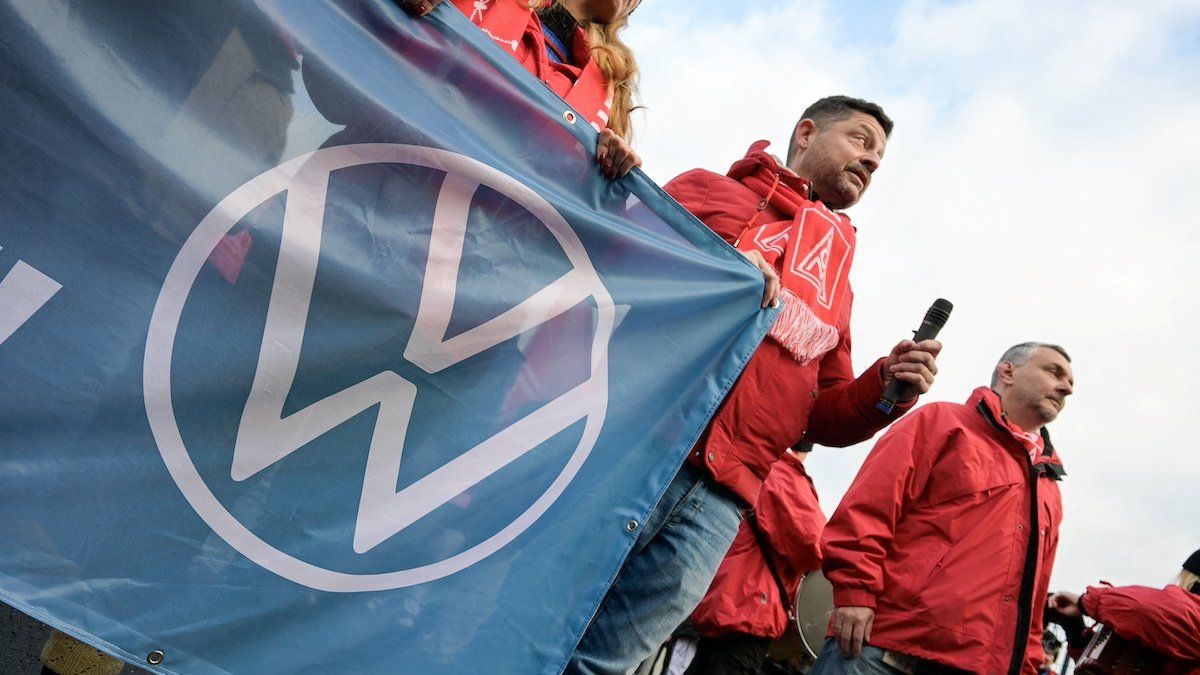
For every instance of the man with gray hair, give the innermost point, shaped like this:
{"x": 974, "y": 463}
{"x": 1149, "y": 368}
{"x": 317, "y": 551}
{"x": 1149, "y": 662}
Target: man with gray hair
{"x": 940, "y": 552}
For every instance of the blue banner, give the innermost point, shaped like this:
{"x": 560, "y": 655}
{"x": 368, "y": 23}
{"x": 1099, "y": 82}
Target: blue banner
{"x": 324, "y": 344}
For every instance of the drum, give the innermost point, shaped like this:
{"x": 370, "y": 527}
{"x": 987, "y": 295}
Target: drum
{"x": 1110, "y": 654}
{"x": 812, "y": 605}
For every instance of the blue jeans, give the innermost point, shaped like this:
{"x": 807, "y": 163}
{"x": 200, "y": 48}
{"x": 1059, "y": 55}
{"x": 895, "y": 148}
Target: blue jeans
{"x": 831, "y": 661}
{"x": 664, "y": 577}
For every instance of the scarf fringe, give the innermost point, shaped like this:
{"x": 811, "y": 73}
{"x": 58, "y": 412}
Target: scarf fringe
{"x": 800, "y": 332}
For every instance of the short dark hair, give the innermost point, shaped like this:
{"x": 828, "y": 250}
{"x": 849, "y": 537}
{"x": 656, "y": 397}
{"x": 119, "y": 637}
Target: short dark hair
{"x": 835, "y": 108}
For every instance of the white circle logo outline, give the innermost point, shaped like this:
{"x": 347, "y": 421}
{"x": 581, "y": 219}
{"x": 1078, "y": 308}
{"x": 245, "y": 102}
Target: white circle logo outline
{"x": 177, "y": 286}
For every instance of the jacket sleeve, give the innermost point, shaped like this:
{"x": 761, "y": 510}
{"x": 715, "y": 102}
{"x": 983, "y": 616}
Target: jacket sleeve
{"x": 858, "y": 536}
{"x": 692, "y": 190}
{"x": 1166, "y": 620}
{"x": 845, "y": 412}
{"x": 790, "y": 518}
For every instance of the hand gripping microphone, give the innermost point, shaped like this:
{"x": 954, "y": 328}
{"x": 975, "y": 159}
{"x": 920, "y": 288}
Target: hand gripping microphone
{"x": 935, "y": 318}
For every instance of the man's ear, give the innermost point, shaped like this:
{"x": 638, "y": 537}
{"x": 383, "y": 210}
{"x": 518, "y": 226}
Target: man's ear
{"x": 803, "y": 134}
{"x": 1005, "y": 371}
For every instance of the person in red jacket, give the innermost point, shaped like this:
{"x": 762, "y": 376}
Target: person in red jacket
{"x": 573, "y": 47}
{"x": 948, "y": 533}
{"x": 1166, "y": 620}
{"x": 747, "y": 605}
{"x": 798, "y": 385}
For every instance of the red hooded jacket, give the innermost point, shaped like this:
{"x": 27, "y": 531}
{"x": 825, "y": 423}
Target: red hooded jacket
{"x": 949, "y": 532}
{"x": 517, "y": 30}
{"x": 744, "y": 596}
{"x": 777, "y": 401}
{"x": 1167, "y": 620}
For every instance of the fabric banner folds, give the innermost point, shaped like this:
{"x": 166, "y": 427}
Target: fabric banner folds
{"x": 324, "y": 344}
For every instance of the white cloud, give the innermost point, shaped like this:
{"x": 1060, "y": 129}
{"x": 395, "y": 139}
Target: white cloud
{"x": 1041, "y": 176}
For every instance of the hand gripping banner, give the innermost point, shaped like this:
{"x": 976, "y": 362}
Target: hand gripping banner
{"x": 324, "y": 344}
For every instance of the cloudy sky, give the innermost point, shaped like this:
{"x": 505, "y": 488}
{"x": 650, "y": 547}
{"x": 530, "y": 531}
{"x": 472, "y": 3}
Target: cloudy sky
{"x": 1042, "y": 176}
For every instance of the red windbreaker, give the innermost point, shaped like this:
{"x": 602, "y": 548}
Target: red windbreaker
{"x": 518, "y": 31}
{"x": 949, "y": 531}
{"x": 1167, "y": 620}
{"x": 776, "y": 401}
{"x": 744, "y": 596}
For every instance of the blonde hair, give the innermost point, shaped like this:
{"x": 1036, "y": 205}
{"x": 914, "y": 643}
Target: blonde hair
{"x": 620, "y": 68}
{"x": 1186, "y": 579}
{"x": 615, "y": 59}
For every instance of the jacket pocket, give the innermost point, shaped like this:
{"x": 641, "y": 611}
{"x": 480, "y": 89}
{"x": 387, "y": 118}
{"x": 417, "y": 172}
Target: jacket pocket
{"x": 970, "y": 482}
{"x": 910, "y": 576}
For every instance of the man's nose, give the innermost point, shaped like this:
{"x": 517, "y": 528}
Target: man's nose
{"x": 1065, "y": 388}
{"x": 871, "y": 161}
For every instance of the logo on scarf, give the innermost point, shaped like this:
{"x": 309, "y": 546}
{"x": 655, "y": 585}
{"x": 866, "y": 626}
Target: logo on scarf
{"x": 266, "y": 436}
{"x": 775, "y": 243}
{"x": 825, "y": 262}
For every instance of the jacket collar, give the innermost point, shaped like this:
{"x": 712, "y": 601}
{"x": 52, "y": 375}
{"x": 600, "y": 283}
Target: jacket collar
{"x": 987, "y": 403}
{"x": 760, "y": 166}
{"x": 562, "y": 25}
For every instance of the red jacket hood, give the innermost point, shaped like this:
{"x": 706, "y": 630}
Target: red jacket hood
{"x": 761, "y": 166}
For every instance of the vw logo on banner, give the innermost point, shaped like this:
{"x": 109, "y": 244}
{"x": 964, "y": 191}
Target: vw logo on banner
{"x": 268, "y": 433}
{"x": 330, "y": 346}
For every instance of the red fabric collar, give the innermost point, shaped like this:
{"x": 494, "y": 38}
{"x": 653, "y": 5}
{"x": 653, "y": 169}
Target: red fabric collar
{"x": 758, "y": 170}
{"x": 992, "y": 400}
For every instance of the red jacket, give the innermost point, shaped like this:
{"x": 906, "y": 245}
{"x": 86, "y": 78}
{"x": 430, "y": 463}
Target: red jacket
{"x": 1167, "y": 620}
{"x": 517, "y": 30}
{"x": 949, "y": 531}
{"x": 744, "y": 596}
{"x": 777, "y": 401}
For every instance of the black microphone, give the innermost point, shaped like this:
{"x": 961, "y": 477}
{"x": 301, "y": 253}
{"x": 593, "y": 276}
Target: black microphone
{"x": 935, "y": 318}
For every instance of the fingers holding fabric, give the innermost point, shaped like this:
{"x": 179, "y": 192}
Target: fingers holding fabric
{"x": 770, "y": 278}
{"x": 614, "y": 154}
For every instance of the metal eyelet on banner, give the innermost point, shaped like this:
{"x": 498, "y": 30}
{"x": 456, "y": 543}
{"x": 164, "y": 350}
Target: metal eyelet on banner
{"x": 631, "y": 525}
{"x": 569, "y": 116}
{"x": 155, "y": 657}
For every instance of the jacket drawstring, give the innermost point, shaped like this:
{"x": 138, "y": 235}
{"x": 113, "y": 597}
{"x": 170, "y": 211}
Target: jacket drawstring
{"x": 762, "y": 205}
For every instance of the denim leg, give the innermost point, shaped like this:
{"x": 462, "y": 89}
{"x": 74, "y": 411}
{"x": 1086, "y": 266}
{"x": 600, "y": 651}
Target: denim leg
{"x": 664, "y": 577}
{"x": 831, "y": 661}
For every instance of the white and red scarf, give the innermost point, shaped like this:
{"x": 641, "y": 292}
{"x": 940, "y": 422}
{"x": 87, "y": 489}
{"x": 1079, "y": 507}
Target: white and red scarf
{"x": 812, "y": 253}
